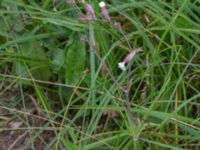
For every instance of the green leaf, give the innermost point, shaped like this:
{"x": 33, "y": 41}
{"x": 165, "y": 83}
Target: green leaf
{"x": 75, "y": 61}
{"x": 70, "y": 145}
{"x": 39, "y": 64}
{"x": 20, "y": 69}
{"x": 58, "y": 59}
{"x": 42, "y": 73}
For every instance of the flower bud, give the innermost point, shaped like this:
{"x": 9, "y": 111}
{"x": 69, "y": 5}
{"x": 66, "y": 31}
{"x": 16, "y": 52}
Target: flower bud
{"x": 89, "y": 10}
{"x": 104, "y": 11}
{"x": 128, "y": 58}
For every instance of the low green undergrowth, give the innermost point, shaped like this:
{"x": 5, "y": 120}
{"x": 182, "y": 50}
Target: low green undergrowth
{"x": 60, "y": 77}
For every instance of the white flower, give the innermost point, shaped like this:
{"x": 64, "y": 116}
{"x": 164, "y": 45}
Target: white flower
{"x": 102, "y": 4}
{"x": 122, "y": 66}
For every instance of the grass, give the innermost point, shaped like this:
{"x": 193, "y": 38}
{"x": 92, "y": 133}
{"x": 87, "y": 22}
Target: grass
{"x": 61, "y": 87}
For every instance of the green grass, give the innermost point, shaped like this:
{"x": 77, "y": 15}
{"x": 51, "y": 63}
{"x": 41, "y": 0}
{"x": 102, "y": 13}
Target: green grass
{"x": 60, "y": 76}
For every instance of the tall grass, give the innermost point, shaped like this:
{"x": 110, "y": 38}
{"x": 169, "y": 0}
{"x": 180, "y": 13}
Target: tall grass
{"x": 61, "y": 75}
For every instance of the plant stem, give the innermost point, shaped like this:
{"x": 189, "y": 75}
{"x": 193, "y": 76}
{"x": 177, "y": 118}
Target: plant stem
{"x": 92, "y": 62}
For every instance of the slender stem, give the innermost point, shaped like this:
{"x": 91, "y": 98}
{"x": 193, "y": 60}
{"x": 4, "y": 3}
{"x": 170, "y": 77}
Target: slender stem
{"x": 126, "y": 39}
{"x": 176, "y": 125}
{"x": 92, "y": 62}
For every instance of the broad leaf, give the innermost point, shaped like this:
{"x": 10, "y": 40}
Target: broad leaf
{"x": 75, "y": 61}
